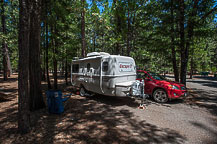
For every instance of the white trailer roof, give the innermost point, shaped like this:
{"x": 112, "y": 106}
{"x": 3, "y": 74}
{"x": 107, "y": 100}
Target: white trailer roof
{"x": 95, "y": 55}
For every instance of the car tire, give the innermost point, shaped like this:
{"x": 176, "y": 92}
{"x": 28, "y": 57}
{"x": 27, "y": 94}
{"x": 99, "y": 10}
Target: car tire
{"x": 160, "y": 96}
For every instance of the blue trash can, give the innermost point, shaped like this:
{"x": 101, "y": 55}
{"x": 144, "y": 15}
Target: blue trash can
{"x": 55, "y": 101}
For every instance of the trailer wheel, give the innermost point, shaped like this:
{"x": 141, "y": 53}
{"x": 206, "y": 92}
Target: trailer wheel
{"x": 82, "y": 91}
{"x": 160, "y": 96}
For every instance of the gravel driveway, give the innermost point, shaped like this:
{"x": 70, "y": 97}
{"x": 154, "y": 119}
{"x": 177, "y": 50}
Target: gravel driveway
{"x": 112, "y": 120}
{"x": 194, "y": 122}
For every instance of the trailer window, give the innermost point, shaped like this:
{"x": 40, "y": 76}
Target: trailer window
{"x": 75, "y": 68}
{"x": 88, "y": 67}
{"x": 105, "y": 66}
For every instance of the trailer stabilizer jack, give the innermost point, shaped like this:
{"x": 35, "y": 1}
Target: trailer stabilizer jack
{"x": 142, "y": 106}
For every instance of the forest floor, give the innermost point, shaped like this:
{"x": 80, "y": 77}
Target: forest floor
{"x": 101, "y": 119}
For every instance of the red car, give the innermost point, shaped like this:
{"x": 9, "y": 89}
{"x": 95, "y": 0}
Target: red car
{"x": 160, "y": 88}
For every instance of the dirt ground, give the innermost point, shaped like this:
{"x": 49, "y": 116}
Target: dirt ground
{"x": 103, "y": 120}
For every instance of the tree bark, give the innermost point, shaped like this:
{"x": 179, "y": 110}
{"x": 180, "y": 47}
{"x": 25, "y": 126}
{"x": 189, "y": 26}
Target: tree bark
{"x": 8, "y": 62}
{"x": 55, "y": 69}
{"x": 23, "y": 78}
{"x": 175, "y": 68}
{"x": 66, "y": 63}
{"x": 63, "y": 67}
{"x": 133, "y": 29}
{"x": 54, "y": 44}
{"x": 43, "y": 70}
{"x": 36, "y": 98}
{"x": 192, "y": 64}
{"x": 94, "y": 42}
{"x": 55, "y": 65}
{"x": 47, "y": 46}
{"x": 7, "y": 71}
{"x": 83, "y": 39}
{"x": 44, "y": 58}
{"x": 66, "y": 69}
{"x": 128, "y": 30}
{"x": 190, "y": 32}
{"x": 182, "y": 41}
{"x": 118, "y": 28}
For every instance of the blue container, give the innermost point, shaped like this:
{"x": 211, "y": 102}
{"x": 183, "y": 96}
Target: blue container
{"x": 55, "y": 101}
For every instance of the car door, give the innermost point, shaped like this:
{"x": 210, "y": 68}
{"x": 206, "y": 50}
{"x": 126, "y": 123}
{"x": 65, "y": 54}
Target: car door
{"x": 148, "y": 84}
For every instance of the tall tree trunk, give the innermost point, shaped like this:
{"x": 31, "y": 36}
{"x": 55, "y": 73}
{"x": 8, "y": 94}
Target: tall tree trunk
{"x": 102, "y": 40}
{"x": 191, "y": 34}
{"x": 133, "y": 37}
{"x": 63, "y": 67}
{"x": 128, "y": 30}
{"x": 55, "y": 68}
{"x": 118, "y": 27}
{"x": 182, "y": 41}
{"x": 54, "y": 57}
{"x": 83, "y": 39}
{"x": 192, "y": 64}
{"x": 66, "y": 63}
{"x": 94, "y": 42}
{"x": 66, "y": 69}
{"x": 8, "y": 62}
{"x": 190, "y": 30}
{"x": 44, "y": 60}
{"x": 175, "y": 68}
{"x": 23, "y": 78}
{"x": 36, "y": 98}
{"x": 43, "y": 76}
{"x": 6, "y": 59}
{"x": 47, "y": 46}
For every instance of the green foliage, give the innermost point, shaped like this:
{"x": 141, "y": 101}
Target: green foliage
{"x": 142, "y": 26}
{"x": 11, "y": 37}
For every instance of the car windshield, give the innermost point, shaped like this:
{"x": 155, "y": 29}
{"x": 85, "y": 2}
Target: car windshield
{"x": 140, "y": 75}
{"x": 156, "y": 76}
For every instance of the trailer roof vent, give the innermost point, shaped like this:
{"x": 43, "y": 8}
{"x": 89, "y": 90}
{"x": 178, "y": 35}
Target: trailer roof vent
{"x": 97, "y": 54}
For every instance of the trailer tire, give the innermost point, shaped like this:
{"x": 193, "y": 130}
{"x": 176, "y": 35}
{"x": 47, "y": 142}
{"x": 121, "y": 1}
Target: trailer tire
{"x": 82, "y": 91}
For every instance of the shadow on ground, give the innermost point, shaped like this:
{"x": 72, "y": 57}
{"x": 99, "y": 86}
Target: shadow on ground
{"x": 208, "y": 83}
{"x": 206, "y": 78}
{"x": 115, "y": 101}
{"x": 8, "y": 89}
{"x": 209, "y": 130}
{"x": 93, "y": 120}
{"x": 87, "y": 120}
{"x": 10, "y": 80}
{"x": 202, "y": 98}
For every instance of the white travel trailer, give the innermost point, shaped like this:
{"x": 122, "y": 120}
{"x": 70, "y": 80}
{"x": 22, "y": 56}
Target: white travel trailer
{"x": 102, "y": 73}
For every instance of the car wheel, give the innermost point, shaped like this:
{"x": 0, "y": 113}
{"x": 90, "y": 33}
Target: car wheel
{"x": 82, "y": 91}
{"x": 160, "y": 96}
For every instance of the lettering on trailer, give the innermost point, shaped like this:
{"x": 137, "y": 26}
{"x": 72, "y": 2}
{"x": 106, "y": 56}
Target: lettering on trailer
{"x": 125, "y": 67}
